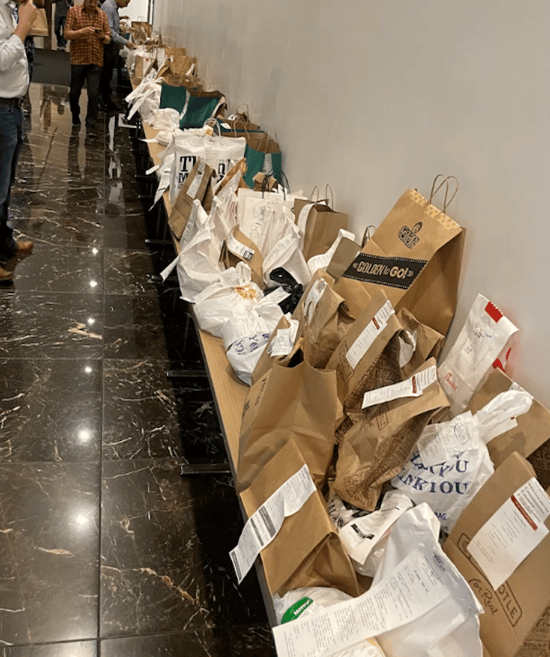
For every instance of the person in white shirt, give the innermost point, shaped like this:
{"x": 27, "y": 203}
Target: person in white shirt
{"x": 14, "y": 82}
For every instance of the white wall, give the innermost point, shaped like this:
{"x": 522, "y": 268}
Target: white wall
{"x": 374, "y": 97}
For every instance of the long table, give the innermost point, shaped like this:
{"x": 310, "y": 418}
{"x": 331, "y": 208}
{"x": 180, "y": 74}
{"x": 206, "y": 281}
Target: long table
{"x": 228, "y": 391}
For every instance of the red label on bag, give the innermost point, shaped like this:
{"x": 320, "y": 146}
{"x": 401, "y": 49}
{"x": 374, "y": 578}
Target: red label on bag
{"x": 493, "y": 312}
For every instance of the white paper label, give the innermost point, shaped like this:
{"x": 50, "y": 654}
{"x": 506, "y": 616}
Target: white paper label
{"x": 418, "y": 584}
{"x": 238, "y": 248}
{"x": 283, "y": 340}
{"x": 312, "y": 299}
{"x": 439, "y": 442}
{"x": 512, "y": 533}
{"x": 367, "y": 336}
{"x": 302, "y": 219}
{"x": 412, "y": 387}
{"x": 262, "y": 527}
{"x": 194, "y": 186}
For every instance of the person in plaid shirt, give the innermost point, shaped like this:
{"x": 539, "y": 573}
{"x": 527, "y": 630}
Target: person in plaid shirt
{"x": 87, "y": 28}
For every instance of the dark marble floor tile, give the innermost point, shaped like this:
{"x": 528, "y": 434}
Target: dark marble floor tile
{"x": 70, "y": 649}
{"x": 125, "y": 228}
{"x": 48, "y": 226}
{"x": 150, "y": 327}
{"x": 50, "y": 325}
{"x": 165, "y": 552}
{"x": 254, "y": 641}
{"x": 129, "y": 271}
{"x": 146, "y": 415}
{"x": 49, "y": 516}
{"x": 50, "y": 410}
{"x": 56, "y": 268}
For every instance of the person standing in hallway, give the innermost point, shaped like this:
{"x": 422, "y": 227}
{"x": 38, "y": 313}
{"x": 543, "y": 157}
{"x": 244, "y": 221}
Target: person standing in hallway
{"x": 87, "y": 28}
{"x": 14, "y": 82}
{"x": 60, "y": 16}
{"x": 111, "y": 52}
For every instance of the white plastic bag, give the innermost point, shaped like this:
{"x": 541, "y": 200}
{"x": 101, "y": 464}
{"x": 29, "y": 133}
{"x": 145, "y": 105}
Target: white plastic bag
{"x": 447, "y": 484}
{"x": 364, "y": 536}
{"x": 322, "y": 260}
{"x": 217, "y": 303}
{"x": 450, "y": 628}
{"x": 304, "y": 602}
{"x": 145, "y": 97}
{"x": 481, "y": 341}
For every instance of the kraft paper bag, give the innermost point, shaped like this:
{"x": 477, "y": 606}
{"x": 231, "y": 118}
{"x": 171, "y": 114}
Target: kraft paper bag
{"x": 267, "y": 359}
{"x": 319, "y": 224}
{"x": 197, "y": 186}
{"x": 530, "y": 438}
{"x": 239, "y": 248}
{"x": 380, "y": 349}
{"x": 415, "y": 255}
{"x": 40, "y": 26}
{"x": 377, "y": 447}
{"x": 515, "y": 608}
{"x": 324, "y": 318}
{"x": 345, "y": 254}
{"x": 307, "y": 550}
{"x": 287, "y": 403}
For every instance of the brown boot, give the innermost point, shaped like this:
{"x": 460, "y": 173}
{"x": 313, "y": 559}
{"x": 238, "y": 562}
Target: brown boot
{"x": 5, "y": 274}
{"x": 23, "y": 246}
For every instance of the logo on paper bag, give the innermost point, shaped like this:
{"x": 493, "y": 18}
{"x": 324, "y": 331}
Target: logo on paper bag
{"x": 409, "y": 237}
{"x": 382, "y": 270}
{"x": 485, "y": 592}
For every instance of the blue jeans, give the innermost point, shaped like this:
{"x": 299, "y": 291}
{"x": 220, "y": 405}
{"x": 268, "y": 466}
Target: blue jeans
{"x": 59, "y": 22}
{"x": 11, "y": 140}
{"x": 91, "y": 74}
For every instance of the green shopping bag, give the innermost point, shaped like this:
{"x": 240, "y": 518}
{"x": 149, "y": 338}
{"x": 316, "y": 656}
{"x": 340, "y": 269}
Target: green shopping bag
{"x": 199, "y": 107}
{"x": 173, "y": 96}
{"x": 262, "y": 154}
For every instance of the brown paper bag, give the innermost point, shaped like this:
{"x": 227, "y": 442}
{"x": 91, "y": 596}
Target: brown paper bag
{"x": 511, "y": 611}
{"x": 267, "y": 361}
{"x": 287, "y": 403}
{"x": 239, "y": 248}
{"x": 345, "y": 254}
{"x": 307, "y": 550}
{"x": 415, "y": 256}
{"x": 321, "y": 226}
{"x": 40, "y": 26}
{"x": 376, "y": 448}
{"x": 531, "y": 437}
{"x": 239, "y": 167}
{"x": 324, "y": 320}
{"x": 197, "y": 186}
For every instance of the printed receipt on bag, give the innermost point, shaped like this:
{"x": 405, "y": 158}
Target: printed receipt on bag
{"x": 262, "y": 527}
{"x": 419, "y": 583}
{"x": 511, "y": 533}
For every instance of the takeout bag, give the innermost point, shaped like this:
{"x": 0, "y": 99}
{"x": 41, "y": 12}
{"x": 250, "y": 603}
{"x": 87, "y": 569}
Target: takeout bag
{"x": 529, "y": 434}
{"x": 415, "y": 255}
{"x": 307, "y": 550}
{"x": 262, "y": 154}
{"x": 376, "y": 448}
{"x": 239, "y": 248}
{"x": 288, "y": 339}
{"x": 318, "y": 224}
{"x": 287, "y": 403}
{"x": 197, "y": 186}
{"x": 513, "y": 610}
{"x": 40, "y": 26}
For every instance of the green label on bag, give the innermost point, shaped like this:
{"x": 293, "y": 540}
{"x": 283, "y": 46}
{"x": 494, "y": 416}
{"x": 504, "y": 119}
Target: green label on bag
{"x": 381, "y": 270}
{"x": 296, "y": 610}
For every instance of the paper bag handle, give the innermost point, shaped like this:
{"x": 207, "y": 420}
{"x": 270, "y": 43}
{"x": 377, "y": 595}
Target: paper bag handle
{"x": 315, "y": 189}
{"x": 446, "y": 201}
{"x": 367, "y": 236}
{"x": 328, "y": 189}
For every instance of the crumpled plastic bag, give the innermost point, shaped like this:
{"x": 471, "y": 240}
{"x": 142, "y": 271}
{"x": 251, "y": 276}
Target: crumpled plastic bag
{"x": 451, "y": 628}
{"x": 447, "y": 484}
{"x": 217, "y": 303}
{"x": 307, "y": 601}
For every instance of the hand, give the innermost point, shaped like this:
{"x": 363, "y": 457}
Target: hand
{"x": 27, "y": 16}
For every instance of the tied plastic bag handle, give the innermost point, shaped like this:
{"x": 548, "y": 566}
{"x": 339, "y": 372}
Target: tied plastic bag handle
{"x": 446, "y": 201}
{"x": 214, "y": 123}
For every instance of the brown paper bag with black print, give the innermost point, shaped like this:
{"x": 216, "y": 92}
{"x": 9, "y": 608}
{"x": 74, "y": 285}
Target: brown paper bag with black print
{"x": 197, "y": 186}
{"x": 307, "y": 550}
{"x": 377, "y": 446}
{"x": 415, "y": 256}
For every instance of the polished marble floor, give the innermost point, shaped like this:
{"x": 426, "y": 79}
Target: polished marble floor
{"x": 105, "y": 549}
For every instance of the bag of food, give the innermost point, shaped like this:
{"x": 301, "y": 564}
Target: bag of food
{"x": 377, "y": 446}
{"x": 484, "y": 336}
{"x": 415, "y": 255}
